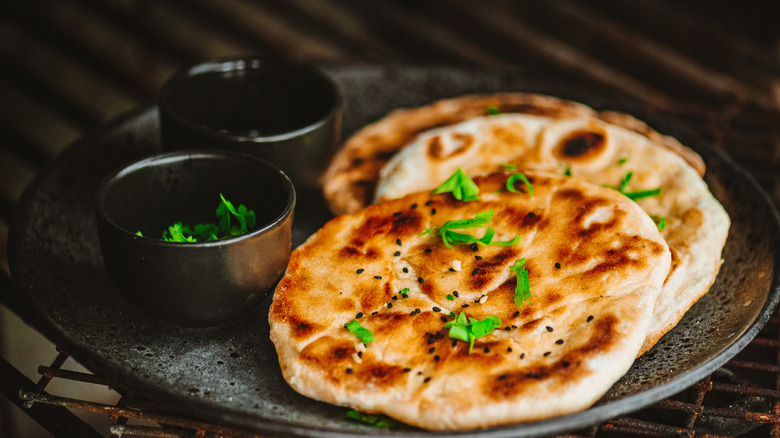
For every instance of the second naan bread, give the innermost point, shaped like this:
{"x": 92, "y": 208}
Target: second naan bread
{"x": 595, "y": 263}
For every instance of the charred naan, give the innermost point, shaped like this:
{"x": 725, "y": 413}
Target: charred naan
{"x": 695, "y": 224}
{"x": 595, "y": 264}
{"x": 351, "y": 178}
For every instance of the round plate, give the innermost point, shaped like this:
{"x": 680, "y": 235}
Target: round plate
{"x": 229, "y": 374}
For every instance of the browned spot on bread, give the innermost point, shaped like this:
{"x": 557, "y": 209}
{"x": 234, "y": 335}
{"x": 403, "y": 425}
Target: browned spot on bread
{"x": 389, "y": 225}
{"x": 436, "y": 149}
{"x": 581, "y": 146}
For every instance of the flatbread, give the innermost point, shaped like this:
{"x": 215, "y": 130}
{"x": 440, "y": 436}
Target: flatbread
{"x": 350, "y": 181}
{"x": 596, "y": 152}
{"x": 595, "y": 262}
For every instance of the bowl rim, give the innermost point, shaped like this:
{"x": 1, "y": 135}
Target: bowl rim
{"x": 245, "y": 63}
{"x": 195, "y": 154}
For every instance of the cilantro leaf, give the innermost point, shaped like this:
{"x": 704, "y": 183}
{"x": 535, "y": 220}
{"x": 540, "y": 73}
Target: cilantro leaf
{"x": 468, "y": 329}
{"x": 567, "y": 171}
{"x": 372, "y": 420}
{"x": 356, "y": 329}
{"x": 493, "y": 110}
{"x": 214, "y": 231}
{"x": 660, "y": 221}
{"x": 522, "y": 289}
{"x": 510, "y": 183}
{"x": 452, "y": 238}
{"x": 508, "y": 166}
{"x": 622, "y": 161}
{"x": 635, "y": 195}
{"x": 461, "y": 187}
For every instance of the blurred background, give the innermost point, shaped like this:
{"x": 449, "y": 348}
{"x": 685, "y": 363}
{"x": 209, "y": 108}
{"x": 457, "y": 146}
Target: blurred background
{"x": 69, "y": 66}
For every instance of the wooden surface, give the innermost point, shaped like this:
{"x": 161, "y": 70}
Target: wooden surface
{"x": 70, "y": 65}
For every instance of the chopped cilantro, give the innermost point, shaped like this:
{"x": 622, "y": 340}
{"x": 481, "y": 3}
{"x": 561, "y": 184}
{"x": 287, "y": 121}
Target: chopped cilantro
{"x": 450, "y": 237}
{"x": 508, "y": 166}
{"x": 635, "y": 195}
{"x": 179, "y": 232}
{"x": 567, "y": 171}
{"x": 510, "y": 183}
{"x": 622, "y": 161}
{"x": 356, "y": 329}
{"x": 522, "y": 289}
{"x": 660, "y": 221}
{"x": 461, "y": 187}
{"x": 469, "y": 329}
{"x": 450, "y": 297}
{"x": 372, "y": 420}
{"x": 493, "y": 110}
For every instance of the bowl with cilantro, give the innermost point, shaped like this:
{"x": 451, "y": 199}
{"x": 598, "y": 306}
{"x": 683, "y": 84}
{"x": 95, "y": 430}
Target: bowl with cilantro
{"x": 195, "y": 237}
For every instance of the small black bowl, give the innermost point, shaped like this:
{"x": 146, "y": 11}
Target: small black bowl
{"x": 283, "y": 112}
{"x": 203, "y": 283}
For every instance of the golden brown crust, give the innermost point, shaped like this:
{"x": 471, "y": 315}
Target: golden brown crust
{"x": 351, "y": 178}
{"x": 595, "y": 264}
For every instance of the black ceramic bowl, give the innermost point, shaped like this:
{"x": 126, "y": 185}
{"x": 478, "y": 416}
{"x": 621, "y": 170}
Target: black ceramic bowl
{"x": 203, "y": 283}
{"x": 286, "y": 113}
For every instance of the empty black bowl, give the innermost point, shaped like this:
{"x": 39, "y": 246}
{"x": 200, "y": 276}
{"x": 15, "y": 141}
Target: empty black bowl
{"x": 203, "y": 283}
{"x": 283, "y": 112}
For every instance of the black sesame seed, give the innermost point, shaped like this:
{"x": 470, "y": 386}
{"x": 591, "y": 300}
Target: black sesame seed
{"x": 405, "y": 269}
{"x": 475, "y": 272}
{"x": 547, "y": 353}
{"x": 420, "y": 279}
{"x": 394, "y": 297}
{"x": 349, "y": 370}
{"x": 507, "y": 328}
{"x": 378, "y": 277}
{"x": 389, "y": 305}
{"x": 427, "y": 379}
{"x": 398, "y": 241}
{"x": 429, "y": 203}
{"x": 557, "y": 266}
{"x": 452, "y": 269}
{"x": 590, "y": 318}
{"x": 565, "y": 364}
{"x": 417, "y": 310}
{"x": 375, "y": 313}
{"x": 433, "y": 211}
{"x": 360, "y": 354}
{"x": 397, "y": 253}
{"x": 431, "y": 350}
{"x": 360, "y": 271}
{"x": 503, "y": 377}
{"x": 359, "y": 315}
{"x": 517, "y": 313}
{"x": 454, "y": 342}
{"x": 559, "y": 341}
{"x": 478, "y": 257}
{"x": 436, "y": 309}
{"x": 487, "y": 350}
{"x": 436, "y": 358}
{"x": 549, "y": 329}
{"x": 405, "y": 295}
{"x": 419, "y": 373}
{"x": 428, "y": 250}
{"x": 406, "y": 370}
{"x": 522, "y": 355}
{"x": 397, "y": 213}
{"x": 455, "y": 294}
{"x": 443, "y": 318}
{"x": 534, "y": 375}
{"x": 465, "y": 305}
{"x": 474, "y": 247}
{"x": 531, "y": 214}
{"x": 412, "y": 313}
{"x": 514, "y": 326}
{"x": 508, "y": 349}
{"x": 414, "y": 206}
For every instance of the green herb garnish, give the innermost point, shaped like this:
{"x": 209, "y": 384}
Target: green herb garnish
{"x": 493, "y": 110}
{"x": 622, "y": 161}
{"x": 461, "y": 186}
{"x": 179, "y": 232}
{"x": 567, "y": 171}
{"x": 356, "y": 329}
{"x": 450, "y": 297}
{"x": 373, "y": 420}
{"x": 660, "y": 221}
{"x": 522, "y": 289}
{"x": 508, "y": 166}
{"x": 469, "y": 329}
{"x": 639, "y": 194}
{"x": 450, "y": 237}
{"x": 510, "y": 183}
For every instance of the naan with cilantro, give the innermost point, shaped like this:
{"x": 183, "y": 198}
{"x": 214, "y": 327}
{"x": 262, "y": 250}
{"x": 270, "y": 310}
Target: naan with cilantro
{"x": 453, "y": 314}
{"x": 691, "y": 220}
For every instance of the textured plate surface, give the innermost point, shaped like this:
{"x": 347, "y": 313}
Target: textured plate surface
{"x": 229, "y": 374}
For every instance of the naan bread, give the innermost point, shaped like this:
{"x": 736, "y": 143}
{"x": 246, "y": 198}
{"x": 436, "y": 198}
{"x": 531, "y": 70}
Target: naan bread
{"x": 595, "y": 262}
{"x": 596, "y": 152}
{"x": 350, "y": 180}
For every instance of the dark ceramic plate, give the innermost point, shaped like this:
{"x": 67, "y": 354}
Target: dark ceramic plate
{"x": 229, "y": 373}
